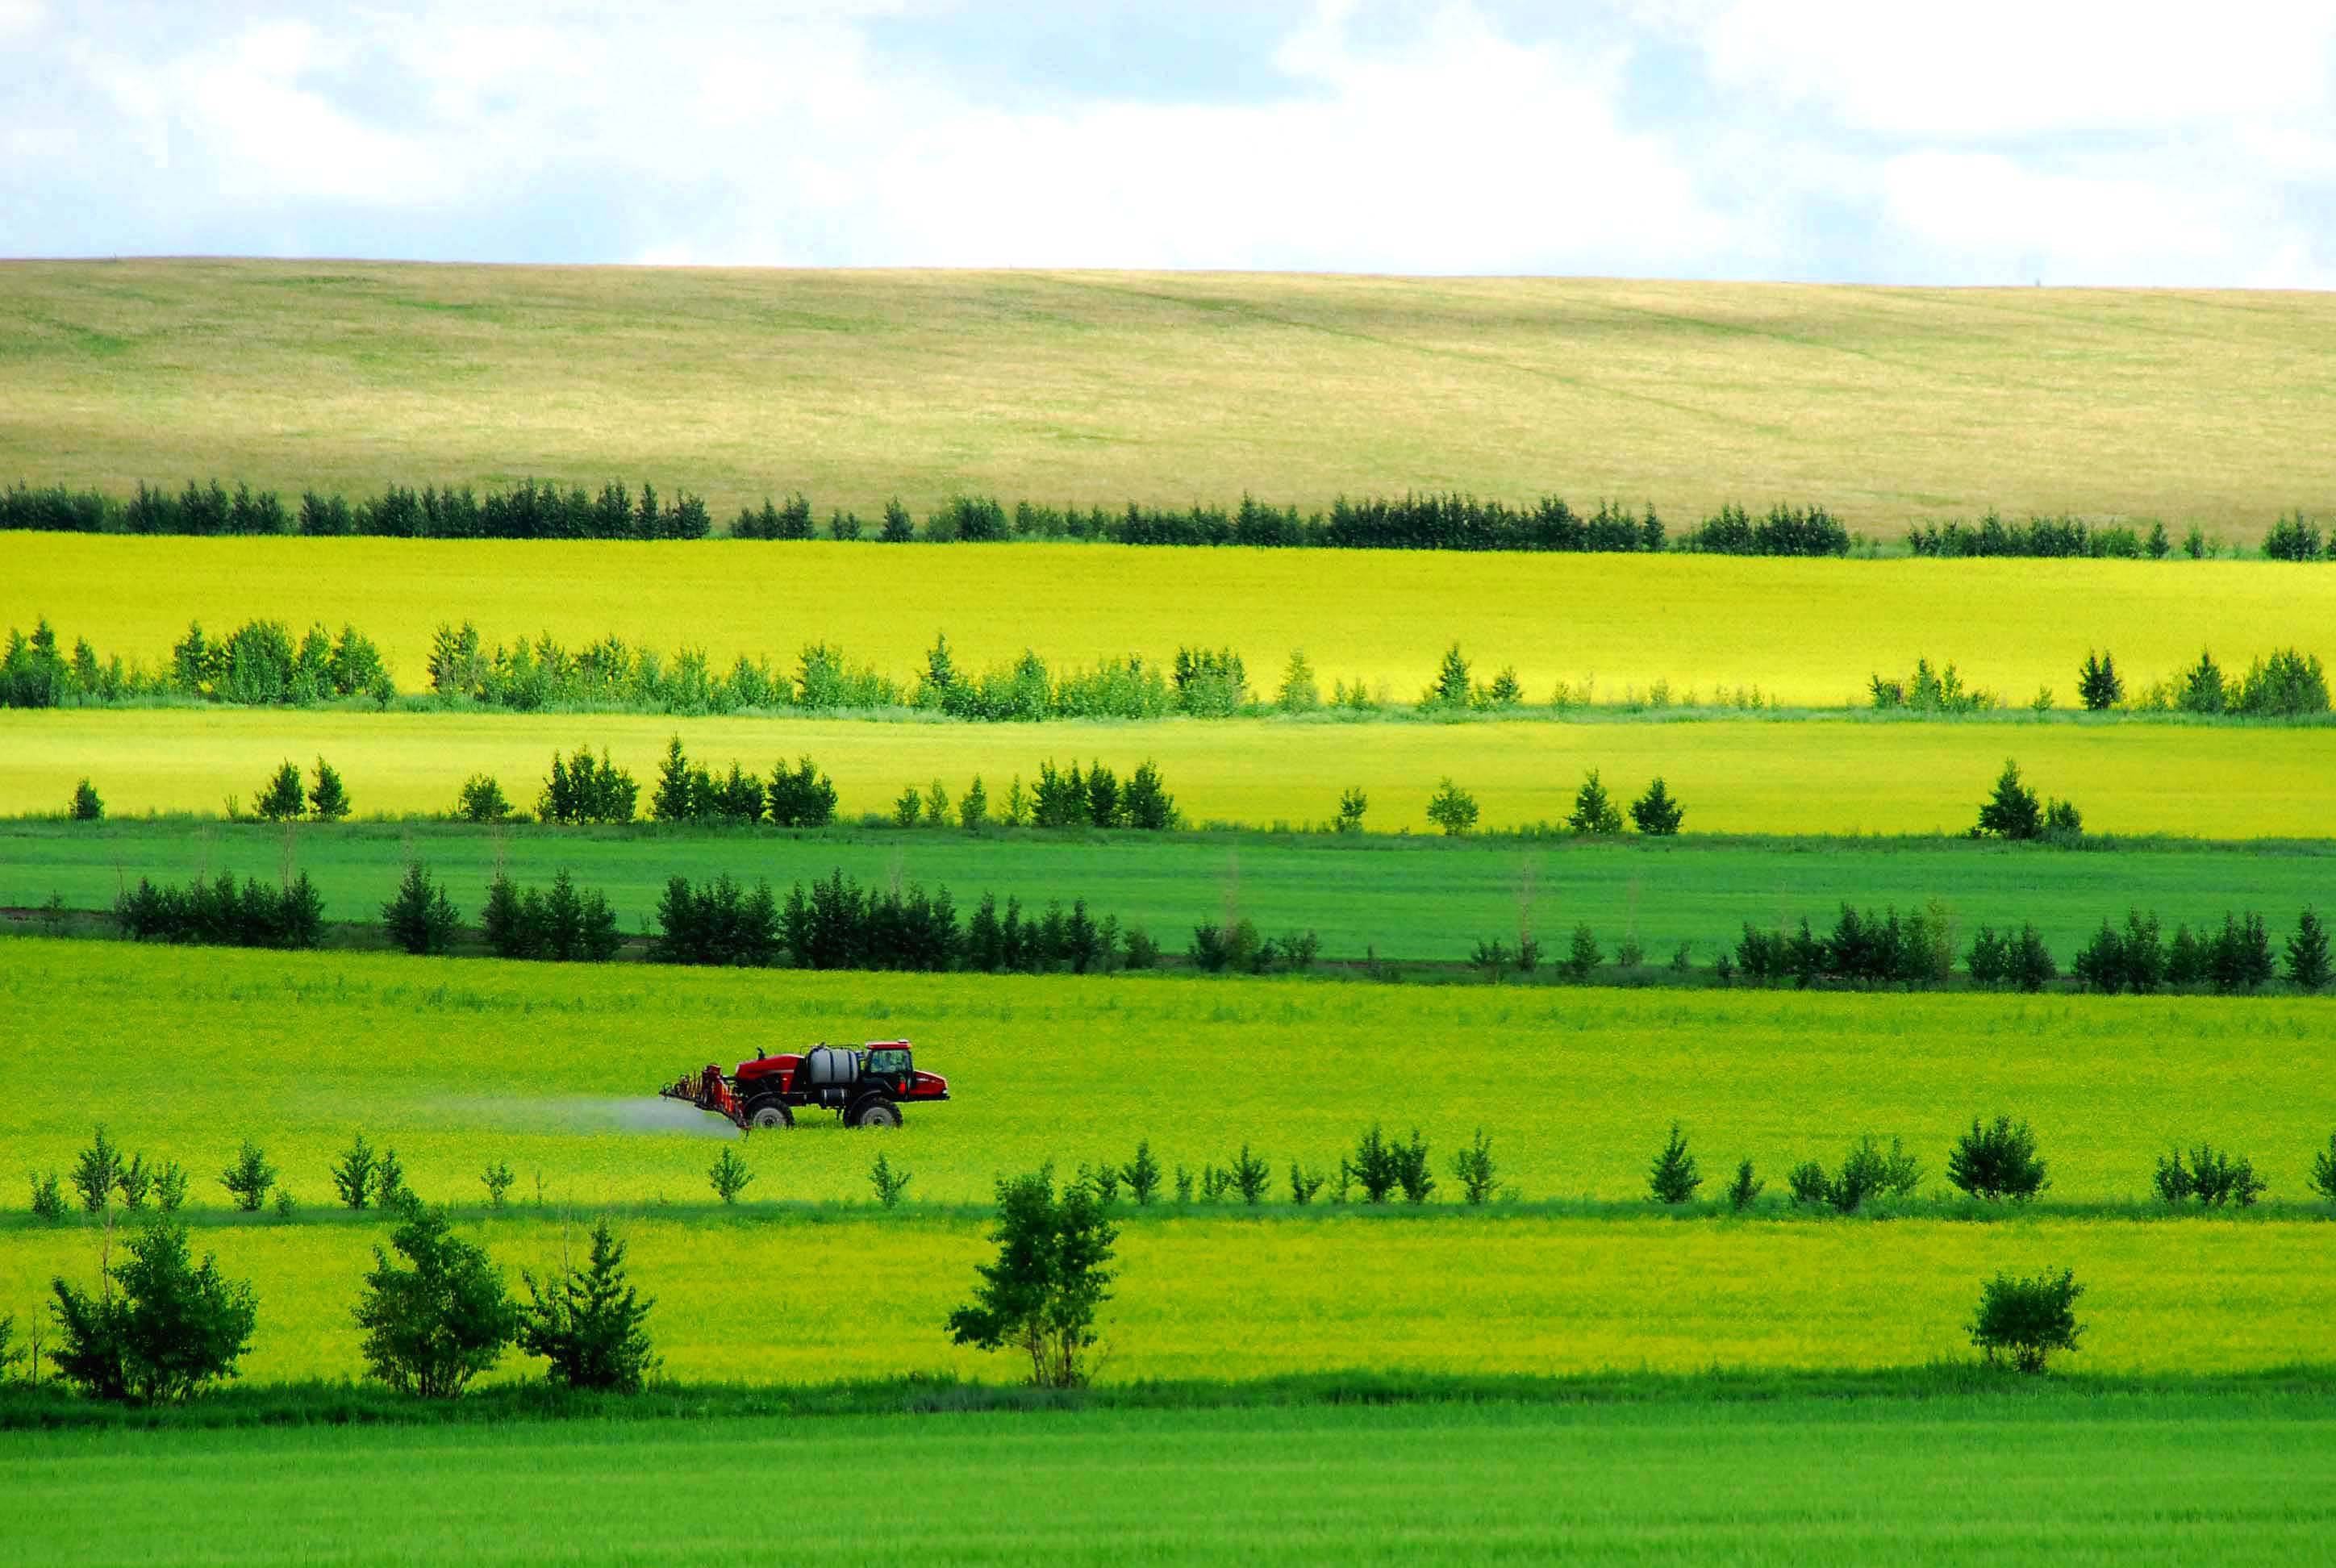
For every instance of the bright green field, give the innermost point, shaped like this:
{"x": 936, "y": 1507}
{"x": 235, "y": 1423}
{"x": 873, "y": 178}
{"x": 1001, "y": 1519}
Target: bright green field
{"x": 2165, "y": 1479}
{"x": 1887, "y": 403}
{"x": 456, "y": 1061}
{"x": 182, "y": 1053}
{"x": 1416, "y": 898}
{"x": 1804, "y": 776}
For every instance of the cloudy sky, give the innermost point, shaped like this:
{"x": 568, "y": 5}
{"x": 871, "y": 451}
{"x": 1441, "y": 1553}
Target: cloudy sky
{"x": 1988, "y": 141}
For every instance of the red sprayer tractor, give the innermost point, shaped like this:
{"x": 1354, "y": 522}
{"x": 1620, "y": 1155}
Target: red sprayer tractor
{"x": 866, "y": 1086}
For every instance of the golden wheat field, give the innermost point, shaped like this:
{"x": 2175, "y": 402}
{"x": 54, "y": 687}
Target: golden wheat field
{"x": 1099, "y": 387}
{"x": 813, "y": 1299}
{"x": 455, "y": 1062}
{"x": 1801, "y": 776}
{"x": 1802, "y": 632}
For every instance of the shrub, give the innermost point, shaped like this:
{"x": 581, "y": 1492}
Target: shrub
{"x": 1352, "y": 804}
{"x": 728, "y": 1175}
{"x": 589, "y": 1324}
{"x": 133, "y": 1182}
{"x": 249, "y": 1178}
{"x": 1675, "y": 1177}
{"x": 1300, "y": 691}
{"x": 2213, "y": 1176}
{"x": 421, "y": 918}
{"x": 1050, "y": 1278}
{"x": 2028, "y": 1318}
{"x": 1452, "y": 808}
{"x": 86, "y": 806}
{"x": 1581, "y": 955}
{"x": 482, "y": 800}
{"x": 2288, "y": 685}
{"x": 1656, "y": 812}
{"x": 2322, "y": 1178}
{"x": 1594, "y": 810}
{"x": 1867, "y": 1172}
{"x": 432, "y": 1326}
{"x": 1473, "y": 1167}
{"x": 389, "y": 1189}
{"x": 283, "y": 797}
{"x": 580, "y": 790}
{"x": 497, "y": 1178}
{"x": 1809, "y": 1183}
{"x": 354, "y": 1173}
{"x": 2202, "y": 689}
{"x": 163, "y": 1329}
{"x": 1997, "y": 1161}
{"x": 96, "y": 1172}
{"x": 1142, "y": 1174}
{"x": 1376, "y": 1165}
{"x": 1746, "y": 1188}
{"x": 1411, "y": 1172}
{"x": 170, "y": 1186}
{"x": 329, "y": 801}
{"x": 973, "y": 807}
{"x": 889, "y": 1181}
{"x": 48, "y": 1199}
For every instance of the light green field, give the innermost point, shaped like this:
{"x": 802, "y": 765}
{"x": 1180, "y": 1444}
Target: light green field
{"x": 1751, "y": 776}
{"x": 1804, "y": 633}
{"x": 1401, "y": 898}
{"x": 1887, "y": 403}
{"x": 2088, "y": 1480}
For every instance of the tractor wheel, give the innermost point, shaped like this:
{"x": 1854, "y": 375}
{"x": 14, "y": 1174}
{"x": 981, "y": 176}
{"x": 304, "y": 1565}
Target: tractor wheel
{"x": 770, "y": 1113}
{"x": 877, "y": 1113}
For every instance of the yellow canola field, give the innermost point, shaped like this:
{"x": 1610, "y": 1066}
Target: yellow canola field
{"x": 1807, "y": 633}
{"x": 182, "y": 1053}
{"x": 1782, "y": 777}
{"x": 812, "y": 1301}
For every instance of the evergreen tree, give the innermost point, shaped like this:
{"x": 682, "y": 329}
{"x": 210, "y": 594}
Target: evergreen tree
{"x": 327, "y": 800}
{"x": 1675, "y": 1176}
{"x": 284, "y": 797}
{"x": 2307, "y": 953}
{"x": 1657, "y": 814}
{"x": 2098, "y": 685}
{"x": 588, "y": 1323}
{"x": 1453, "y": 687}
{"x": 1594, "y": 810}
{"x": 421, "y": 918}
{"x": 675, "y": 799}
{"x": 973, "y": 807}
{"x": 2013, "y": 811}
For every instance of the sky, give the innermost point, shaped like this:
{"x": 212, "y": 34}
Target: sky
{"x": 1991, "y": 142}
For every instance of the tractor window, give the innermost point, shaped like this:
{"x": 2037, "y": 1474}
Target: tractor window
{"x": 887, "y": 1064}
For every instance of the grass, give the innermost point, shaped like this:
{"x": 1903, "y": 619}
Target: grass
{"x": 551, "y": 1068}
{"x": 2089, "y": 1479}
{"x": 1416, "y": 898}
{"x": 1887, "y": 403}
{"x": 1818, "y": 776}
{"x": 1805, "y": 633}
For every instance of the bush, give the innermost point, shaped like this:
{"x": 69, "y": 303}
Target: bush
{"x": 2288, "y": 685}
{"x": 497, "y": 1178}
{"x": 1746, "y": 1188}
{"x": 1867, "y": 1172}
{"x": 2013, "y": 811}
{"x": 1656, "y": 812}
{"x": 1352, "y": 804}
{"x": 164, "y": 1328}
{"x": 589, "y": 1324}
{"x": 1473, "y": 1167}
{"x": 1452, "y": 808}
{"x": 889, "y": 1181}
{"x": 389, "y": 1189}
{"x": 580, "y": 789}
{"x": 1411, "y": 1172}
{"x": 1674, "y": 1178}
{"x": 482, "y": 800}
{"x": 431, "y": 1328}
{"x": 421, "y": 918}
{"x": 354, "y": 1172}
{"x": 48, "y": 1199}
{"x": 1050, "y": 1280}
{"x": 1582, "y": 956}
{"x": 86, "y": 806}
{"x": 1594, "y": 810}
{"x": 1375, "y": 1164}
{"x": 728, "y": 1175}
{"x": 2213, "y": 1176}
{"x": 96, "y": 1172}
{"x": 2322, "y": 1178}
{"x": 2028, "y": 1318}
{"x": 1142, "y": 1174}
{"x": 1997, "y": 1161}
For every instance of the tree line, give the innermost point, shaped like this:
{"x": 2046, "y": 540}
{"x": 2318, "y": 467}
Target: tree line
{"x": 2293, "y": 537}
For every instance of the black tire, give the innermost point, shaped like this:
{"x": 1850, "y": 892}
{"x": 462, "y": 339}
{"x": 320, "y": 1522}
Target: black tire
{"x": 874, "y": 1112}
{"x": 767, "y": 1114}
